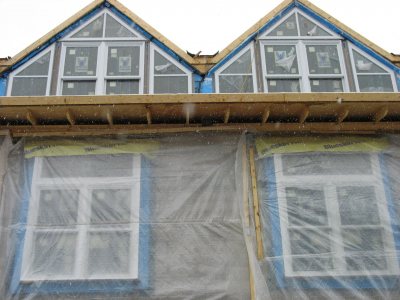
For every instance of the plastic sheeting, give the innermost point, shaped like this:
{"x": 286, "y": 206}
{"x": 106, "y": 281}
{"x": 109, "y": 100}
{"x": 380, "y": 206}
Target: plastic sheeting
{"x": 173, "y": 217}
{"x": 329, "y": 212}
{"x": 157, "y": 224}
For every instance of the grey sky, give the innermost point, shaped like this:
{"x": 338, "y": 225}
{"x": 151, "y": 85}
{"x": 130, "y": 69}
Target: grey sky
{"x": 207, "y": 25}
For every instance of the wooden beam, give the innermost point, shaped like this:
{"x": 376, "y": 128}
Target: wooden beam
{"x": 278, "y": 128}
{"x": 109, "y": 117}
{"x": 256, "y": 204}
{"x": 187, "y": 113}
{"x": 295, "y": 98}
{"x": 31, "y": 118}
{"x": 245, "y": 182}
{"x": 148, "y": 115}
{"x": 265, "y": 115}
{"x": 381, "y": 113}
{"x": 226, "y": 115}
{"x": 304, "y": 114}
{"x": 70, "y": 117}
{"x": 342, "y": 114}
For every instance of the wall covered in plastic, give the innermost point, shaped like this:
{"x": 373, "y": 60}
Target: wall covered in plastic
{"x": 201, "y": 216}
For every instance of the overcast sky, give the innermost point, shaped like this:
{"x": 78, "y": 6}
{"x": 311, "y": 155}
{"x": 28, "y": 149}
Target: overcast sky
{"x": 205, "y": 25}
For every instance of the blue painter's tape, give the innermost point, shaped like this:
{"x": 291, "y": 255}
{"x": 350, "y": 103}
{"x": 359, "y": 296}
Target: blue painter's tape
{"x": 207, "y": 85}
{"x": 125, "y": 286}
{"x": 3, "y": 84}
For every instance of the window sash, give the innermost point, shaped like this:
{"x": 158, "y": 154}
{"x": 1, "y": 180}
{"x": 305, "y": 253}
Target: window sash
{"x": 102, "y": 61}
{"x": 304, "y": 74}
{"x": 330, "y": 184}
{"x": 83, "y": 226}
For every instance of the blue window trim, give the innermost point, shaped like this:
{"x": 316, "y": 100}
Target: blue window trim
{"x": 319, "y": 282}
{"x": 86, "y": 286}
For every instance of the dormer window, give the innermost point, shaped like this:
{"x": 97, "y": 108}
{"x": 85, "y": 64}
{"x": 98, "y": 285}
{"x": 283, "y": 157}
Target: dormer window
{"x": 370, "y": 75}
{"x": 102, "y": 57}
{"x": 238, "y": 75}
{"x": 300, "y": 55}
{"x": 33, "y": 78}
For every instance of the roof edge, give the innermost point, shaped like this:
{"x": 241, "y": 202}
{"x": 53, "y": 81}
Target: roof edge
{"x": 80, "y": 14}
{"x": 394, "y": 59}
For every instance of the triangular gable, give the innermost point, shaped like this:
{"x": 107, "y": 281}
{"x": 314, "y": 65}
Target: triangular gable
{"x": 297, "y": 25}
{"x": 106, "y": 26}
{"x": 309, "y": 10}
{"x": 81, "y": 17}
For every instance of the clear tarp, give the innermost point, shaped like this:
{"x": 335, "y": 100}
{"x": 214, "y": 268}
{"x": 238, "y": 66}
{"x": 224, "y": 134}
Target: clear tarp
{"x": 201, "y": 216}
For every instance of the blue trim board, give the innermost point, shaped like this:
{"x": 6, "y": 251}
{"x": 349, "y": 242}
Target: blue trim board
{"x": 124, "y": 286}
{"x": 355, "y": 282}
{"x": 3, "y": 85}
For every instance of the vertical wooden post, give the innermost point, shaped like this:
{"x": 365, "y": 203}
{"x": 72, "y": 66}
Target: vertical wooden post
{"x": 256, "y": 204}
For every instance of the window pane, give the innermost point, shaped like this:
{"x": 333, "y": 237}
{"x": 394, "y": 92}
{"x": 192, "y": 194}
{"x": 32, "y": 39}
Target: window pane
{"x": 94, "y": 29}
{"x": 122, "y": 87}
{"x": 364, "y": 248}
{"x": 306, "y": 206}
{"x": 123, "y": 61}
{"x": 170, "y": 84}
{"x": 115, "y": 29}
{"x": 58, "y": 207}
{"x": 111, "y": 206}
{"x": 312, "y": 263}
{"x": 326, "y": 85}
{"x": 29, "y": 86}
{"x": 358, "y": 205}
{"x": 309, "y": 241}
{"x": 235, "y": 84}
{"x": 164, "y": 66}
{"x": 120, "y": 165}
{"x": 80, "y": 61}
{"x": 242, "y": 65}
{"x": 364, "y": 65}
{"x": 287, "y": 28}
{"x": 326, "y": 164}
{"x": 53, "y": 254}
{"x": 281, "y": 59}
{"x": 375, "y": 83}
{"x": 109, "y": 253}
{"x": 39, "y": 67}
{"x": 308, "y": 28}
{"x": 79, "y": 87}
{"x": 283, "y": 85}
{"x": 323, "y": 59}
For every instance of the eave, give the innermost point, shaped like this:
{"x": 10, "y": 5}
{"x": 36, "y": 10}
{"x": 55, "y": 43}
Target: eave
{"x": 150, "y": 114}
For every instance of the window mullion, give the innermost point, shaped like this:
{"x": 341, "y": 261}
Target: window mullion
{"x": 303, "y": 65}
{"x": 82, "y": 228}
{"x": 101, "y": 68}
{"x": 334, "y": 221}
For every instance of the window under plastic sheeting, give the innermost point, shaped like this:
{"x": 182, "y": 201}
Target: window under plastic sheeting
{"x": 329, "y": 225}
{"x": 123, "y": 218}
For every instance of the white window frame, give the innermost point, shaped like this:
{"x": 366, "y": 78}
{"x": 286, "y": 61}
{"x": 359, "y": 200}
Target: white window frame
{"x": 304, "y": 74}
{"x": 328, "y": 183}
{"x": 296, "y": 11}
{"x": 26, "y": 65}
{"x": 218, "y": 73}
{"x": 187, "y": 72}
{"x": 373, "y": 60}
{"x": 85, "y": 185}
{"x": 103, "y": 12}
{"x": 101, "y": 65}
